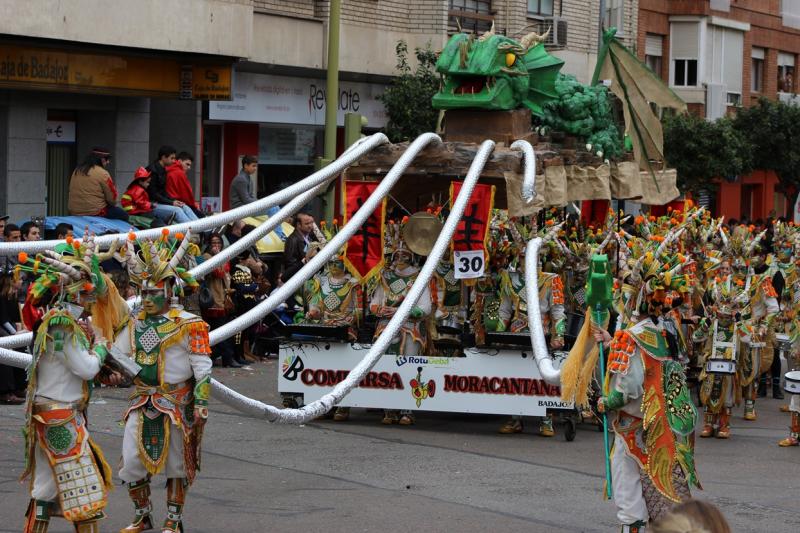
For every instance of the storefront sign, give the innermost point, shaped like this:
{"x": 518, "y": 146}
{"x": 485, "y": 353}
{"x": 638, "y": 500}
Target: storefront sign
{"x": 504, "y": 382}
{"x": 60, "y": 131}
{"x": 50, "y": 69}
{"x": 287, "y": 100}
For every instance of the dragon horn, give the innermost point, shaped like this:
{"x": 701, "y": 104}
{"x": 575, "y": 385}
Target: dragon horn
{"x": 532, "y": 39}
{"x": 62, "y": 267}
{"x": 487, "y": 34}
{"x": 181, "y": 251}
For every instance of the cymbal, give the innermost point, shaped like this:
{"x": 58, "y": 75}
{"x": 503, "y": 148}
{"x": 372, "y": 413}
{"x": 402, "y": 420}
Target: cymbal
{"x": 421, "y": 231}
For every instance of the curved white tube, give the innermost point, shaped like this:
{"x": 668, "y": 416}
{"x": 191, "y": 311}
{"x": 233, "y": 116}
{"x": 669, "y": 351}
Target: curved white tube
{"x": 290, "y": 286}
{"x": 529, "y": 172}
{"x": 541, "y": 355}
{"x": 250, "y": 239}
{"x": 350, "y": 156}
{"x": 16, "y": 340}
{"x": 324, "y": 404}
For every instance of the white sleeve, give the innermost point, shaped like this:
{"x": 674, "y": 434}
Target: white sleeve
{"x": 122, "y": 344}
{"x": 201, "y": 366}
{"x": 81, "y": 361}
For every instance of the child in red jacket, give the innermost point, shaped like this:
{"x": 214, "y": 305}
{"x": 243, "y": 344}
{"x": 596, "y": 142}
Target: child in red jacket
{"x": 136, "y": 201}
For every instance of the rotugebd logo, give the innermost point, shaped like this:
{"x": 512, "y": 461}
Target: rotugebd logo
{"x": 292, "y": 366}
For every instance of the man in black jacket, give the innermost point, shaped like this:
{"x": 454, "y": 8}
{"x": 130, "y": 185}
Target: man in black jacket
{"x": 165, "y": 206}
{"x": 295, "y": 251}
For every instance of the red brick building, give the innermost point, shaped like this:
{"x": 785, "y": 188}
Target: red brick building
{"x": 721, "y": 54}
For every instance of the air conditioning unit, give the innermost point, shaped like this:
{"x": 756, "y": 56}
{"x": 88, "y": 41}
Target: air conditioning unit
{"x": 558, "y": 31}
{"x": 555, "y": 27}
{"x": 716, "y": 101}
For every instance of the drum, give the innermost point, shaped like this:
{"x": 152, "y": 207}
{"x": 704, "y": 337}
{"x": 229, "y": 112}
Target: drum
{"x": 721, "y": 366}
{"x": 783, "y": 343}
{"x": 448, "y": 330}
{"x": 792, "y": 383}
{"x": 450, "y": 325}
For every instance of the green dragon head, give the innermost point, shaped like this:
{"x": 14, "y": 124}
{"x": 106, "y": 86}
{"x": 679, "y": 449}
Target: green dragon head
{"x": 496, "y": 72}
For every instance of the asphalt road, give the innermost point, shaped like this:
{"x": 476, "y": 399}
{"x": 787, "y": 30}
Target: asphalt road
{"x": 447, "y": 473}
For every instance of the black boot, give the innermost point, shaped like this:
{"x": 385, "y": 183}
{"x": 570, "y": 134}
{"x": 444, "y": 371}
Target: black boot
{"x": 777, "y": 393}
{"x": 762, "y": 386}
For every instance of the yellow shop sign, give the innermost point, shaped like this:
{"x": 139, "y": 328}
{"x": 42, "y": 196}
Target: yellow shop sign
{"x": 47, "y": 69}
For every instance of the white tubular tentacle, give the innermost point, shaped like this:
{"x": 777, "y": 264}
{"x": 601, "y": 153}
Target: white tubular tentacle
{"x": 550, "y": 374}
{"x": 290, "y": 286}
{"x": 15, "y": 341}
{"x": 350, "y": 156}
{"x": 202, "y": 270}
{"x": 316, "y": 408}
{"x": 529, "y": 172}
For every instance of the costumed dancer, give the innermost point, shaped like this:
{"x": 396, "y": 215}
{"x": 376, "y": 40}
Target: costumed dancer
{"x": 513, "y": 313}
{"x": 69, "y": 475}
{"x": 412, "y": 337}
{"x": 652, "y": 460}
{"x": 167, "y": 411}
{"x": 722, "y": 332}
{"x": 333, "y": 298}
{"x": 786, "y": 278}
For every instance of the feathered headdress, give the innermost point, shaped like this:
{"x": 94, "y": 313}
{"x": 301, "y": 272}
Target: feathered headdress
{"x": 157, "y": 262}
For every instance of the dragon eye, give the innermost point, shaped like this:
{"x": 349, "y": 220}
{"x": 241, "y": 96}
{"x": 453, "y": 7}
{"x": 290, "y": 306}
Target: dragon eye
{"x": 510, "y": 59}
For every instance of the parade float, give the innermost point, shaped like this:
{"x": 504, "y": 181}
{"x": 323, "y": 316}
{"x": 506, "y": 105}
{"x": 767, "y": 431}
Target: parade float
{"x": 535, "y": 140}
{"x": 468, "y": 345}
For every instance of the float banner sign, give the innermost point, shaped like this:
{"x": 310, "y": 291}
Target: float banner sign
{"x": 472, "y": 230}
{"x": 505, "y": 383}
{"x": 363, "y": 253}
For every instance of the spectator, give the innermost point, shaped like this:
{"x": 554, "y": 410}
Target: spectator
{"x": 296, "y": 249}
{"x": 245, "y": 268}
{"x": 178, "y": 184}
{"x": 692, "y": 515}
{"x": 234, "y": 232}
{"x": 136, "y": 202}
{"x": 241, "y": 192}
{"x": 64, "y": 230}
{"x": 157, "y": 190}
{"x": 218, "y": 283}
{"x": 30, "y": 231}
{"x": 91, "y": 189}
{"x": 12, "y": 380}
{"x": 3, "y": 220}
{"x": 11, "y": 233}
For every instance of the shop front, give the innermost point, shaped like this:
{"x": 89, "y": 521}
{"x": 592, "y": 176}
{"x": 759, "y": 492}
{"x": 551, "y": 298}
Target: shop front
{"x": 281, "y": 120}
{"x": 57, "y": 102}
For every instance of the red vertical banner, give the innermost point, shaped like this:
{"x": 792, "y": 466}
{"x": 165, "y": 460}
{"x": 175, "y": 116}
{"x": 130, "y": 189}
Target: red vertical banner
{"x": 363, "y": 252}
{"x": 472, "y": 230}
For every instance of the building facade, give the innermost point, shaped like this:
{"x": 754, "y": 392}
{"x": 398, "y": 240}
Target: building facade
{"x": 719, "y": 55}
{"x": 160, "y": 80}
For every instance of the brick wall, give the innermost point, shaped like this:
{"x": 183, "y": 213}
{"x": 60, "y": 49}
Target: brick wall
{"x": 294, "y": 8}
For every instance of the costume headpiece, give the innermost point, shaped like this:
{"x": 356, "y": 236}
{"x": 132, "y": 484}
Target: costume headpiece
{"x": 157, "y": 263}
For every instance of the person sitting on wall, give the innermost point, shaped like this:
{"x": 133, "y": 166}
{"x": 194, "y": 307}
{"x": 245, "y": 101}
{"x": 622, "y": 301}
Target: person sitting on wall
{"x": 137, "y": 204}
{"x": 91, "y": 189}
{"x": 178, "y": 184}
{"x": 157, "y": 190}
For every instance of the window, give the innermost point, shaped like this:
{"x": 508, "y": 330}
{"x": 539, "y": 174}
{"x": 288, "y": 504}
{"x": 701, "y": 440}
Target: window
{"x": 757, "y": 70}
{"x": 724, "y": 61}
{"x": 684, "y": 51}
{"x": 785, "y": 72}
{"x": 790, "y": 11}
{"x": 653, "y": 51}
{"x": 685, "y": 73}
{"x": 614, "y": 15}
{"x": 540, "y": 7}
{"x": 472, "y": 15}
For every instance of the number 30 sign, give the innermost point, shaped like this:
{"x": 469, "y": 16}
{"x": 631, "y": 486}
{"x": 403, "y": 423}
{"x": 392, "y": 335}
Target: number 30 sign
{"x": 468, "y": 264}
